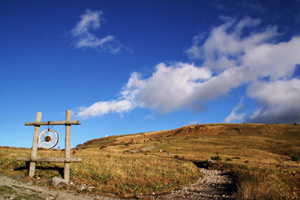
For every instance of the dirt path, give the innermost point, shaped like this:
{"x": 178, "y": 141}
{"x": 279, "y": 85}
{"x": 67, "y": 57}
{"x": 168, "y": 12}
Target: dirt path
{"x": 12, "y": 189}
{"x": 215, "y": 184}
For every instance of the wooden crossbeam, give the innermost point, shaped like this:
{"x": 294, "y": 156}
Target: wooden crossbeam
{"x": 57, "y": 160}
{"x": 52, "y": 123}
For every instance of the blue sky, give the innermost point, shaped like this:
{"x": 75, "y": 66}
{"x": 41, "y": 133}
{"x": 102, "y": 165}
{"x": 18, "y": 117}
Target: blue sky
{"x": 135, "y": 66}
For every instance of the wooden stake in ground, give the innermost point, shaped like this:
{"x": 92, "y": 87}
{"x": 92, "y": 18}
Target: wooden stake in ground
{"x": 34, "y": 144}
{"x": 68, "y": 146}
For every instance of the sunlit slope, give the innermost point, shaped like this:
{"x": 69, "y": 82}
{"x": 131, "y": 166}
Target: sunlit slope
{"x": 201, "y": 141}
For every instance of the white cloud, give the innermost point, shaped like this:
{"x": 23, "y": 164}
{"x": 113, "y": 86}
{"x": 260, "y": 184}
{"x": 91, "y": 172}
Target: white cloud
{"x": 237, "y": 113}
{"x": 226, "y": 43}
{"x": 94, "y": 42}
{"x": 104, "y": 107}
{"x": 223, "y": 83}
{"x": 277, "y": 93}
{"x": 279, "y": 101}
{"x": 274, "y": 60}
{"x": 169, "y": 88}
{"x": 244, "y": 59}
{"x": 233, "y": 54}
{"x": 91, "y": 20}
{"x": 149, "y": 117}
{"x": 196, "y": 51}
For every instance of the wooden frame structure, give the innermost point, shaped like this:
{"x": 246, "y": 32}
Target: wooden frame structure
{"x": 67, "y": 159}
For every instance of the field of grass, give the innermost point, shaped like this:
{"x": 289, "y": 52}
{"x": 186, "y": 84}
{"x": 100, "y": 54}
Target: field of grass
{"x": 109, "y": 173}
{"x": 263, "y": 158}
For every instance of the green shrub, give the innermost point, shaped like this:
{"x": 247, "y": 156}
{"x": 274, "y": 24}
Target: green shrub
{"x": 217, "y": 158}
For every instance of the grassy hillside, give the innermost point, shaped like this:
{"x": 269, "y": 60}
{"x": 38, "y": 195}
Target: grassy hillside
{"x": 264, "y": 159}
{"x": 276, "y": 143}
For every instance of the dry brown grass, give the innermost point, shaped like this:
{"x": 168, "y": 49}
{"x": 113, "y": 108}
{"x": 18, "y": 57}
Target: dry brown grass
{"x": 110, "y": 173}
{"x": 276, "y": 182}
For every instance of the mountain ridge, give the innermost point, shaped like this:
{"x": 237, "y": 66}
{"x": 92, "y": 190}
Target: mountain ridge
{"x": 195, "y": 130}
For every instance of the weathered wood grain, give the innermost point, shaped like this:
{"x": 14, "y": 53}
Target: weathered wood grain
{"x": 68, "y": 122}
{"x": 58, "y": 160}
{"x": 34, "y": 144}
{"x": 68, "y": 146}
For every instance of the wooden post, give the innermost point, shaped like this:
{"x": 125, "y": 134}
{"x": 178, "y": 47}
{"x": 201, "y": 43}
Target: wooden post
{"x": 68, "y": 146}
{"x": 34, "y": 144}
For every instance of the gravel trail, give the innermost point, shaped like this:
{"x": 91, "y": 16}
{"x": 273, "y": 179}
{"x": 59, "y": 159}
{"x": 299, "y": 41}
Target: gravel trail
{"x": 215, "y": 185}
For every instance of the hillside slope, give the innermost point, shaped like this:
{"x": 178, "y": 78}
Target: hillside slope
{"x": 199, "y": 130}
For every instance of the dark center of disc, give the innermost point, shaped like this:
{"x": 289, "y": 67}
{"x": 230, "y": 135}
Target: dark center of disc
{"x": 47, "y": 138}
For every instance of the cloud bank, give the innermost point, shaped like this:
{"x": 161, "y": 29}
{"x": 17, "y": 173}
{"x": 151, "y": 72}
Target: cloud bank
{"x": 232, "y": 55}
{"x": 169, "y": 88}
{"x": 91, "y": 20}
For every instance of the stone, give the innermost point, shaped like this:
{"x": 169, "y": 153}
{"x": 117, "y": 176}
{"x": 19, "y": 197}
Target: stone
{"x": 91, "y": 188}
{"x": 82, "y": 187}
{"x": 58, "y": 182}
{"x": 50, "y": 198}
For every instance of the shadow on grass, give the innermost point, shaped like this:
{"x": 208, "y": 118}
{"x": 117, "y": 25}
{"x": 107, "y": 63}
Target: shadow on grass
{"x": 202, "y": 164}
{"x": 60, "y": 170}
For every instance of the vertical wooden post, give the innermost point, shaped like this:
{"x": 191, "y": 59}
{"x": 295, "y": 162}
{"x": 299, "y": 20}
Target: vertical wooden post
{"x": 34, "y": 144}
{"x": 68, "y": 146}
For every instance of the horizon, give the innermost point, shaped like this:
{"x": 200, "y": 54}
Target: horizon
{"x": 125, "y": 67}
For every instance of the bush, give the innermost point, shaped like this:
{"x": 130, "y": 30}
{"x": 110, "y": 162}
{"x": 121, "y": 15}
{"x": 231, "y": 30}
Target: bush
{"x": 217, "y": 158}
{"x": 294, "y": 158}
